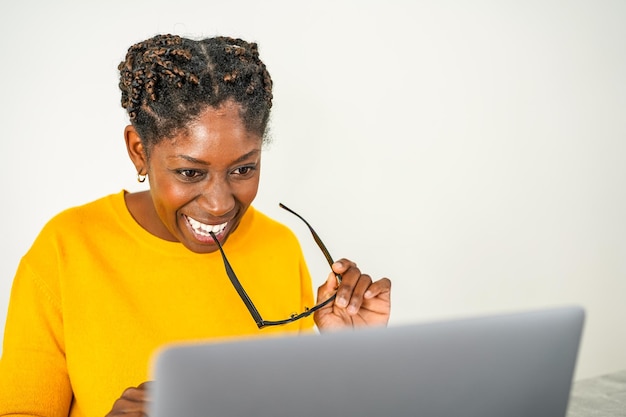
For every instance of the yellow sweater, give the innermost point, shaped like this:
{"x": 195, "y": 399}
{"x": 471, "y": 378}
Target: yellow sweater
{"x": 97, "y": 294}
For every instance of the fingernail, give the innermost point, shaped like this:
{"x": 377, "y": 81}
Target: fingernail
{"x": 337, "y": 265}
{"x": 341, "y": 302}
{"x": 368, "y": 294}
{"x": 352, "y": 309}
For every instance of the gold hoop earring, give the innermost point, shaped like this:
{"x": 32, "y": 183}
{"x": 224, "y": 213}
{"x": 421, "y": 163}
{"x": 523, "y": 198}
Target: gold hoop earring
{"x": 141, "y": 177}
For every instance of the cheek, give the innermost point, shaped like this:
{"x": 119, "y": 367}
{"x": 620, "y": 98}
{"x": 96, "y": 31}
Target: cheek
{"x": 248, "y": 192}
{"x": 169, "y": 197}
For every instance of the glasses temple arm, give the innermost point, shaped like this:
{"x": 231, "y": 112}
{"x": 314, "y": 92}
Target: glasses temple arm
{"x": 317, "y": 239}
{"x": 242, "y": 293}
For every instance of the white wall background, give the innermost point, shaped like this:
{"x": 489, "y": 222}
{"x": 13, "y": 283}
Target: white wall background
{"x": 470, "y": 150}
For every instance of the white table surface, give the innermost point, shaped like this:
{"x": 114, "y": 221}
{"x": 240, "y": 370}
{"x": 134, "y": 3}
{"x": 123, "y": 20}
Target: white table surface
{"x": 603, "y": 396}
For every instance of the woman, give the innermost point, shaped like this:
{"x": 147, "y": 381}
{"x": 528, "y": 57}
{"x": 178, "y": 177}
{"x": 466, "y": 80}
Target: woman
{"x": 107, "y": 283}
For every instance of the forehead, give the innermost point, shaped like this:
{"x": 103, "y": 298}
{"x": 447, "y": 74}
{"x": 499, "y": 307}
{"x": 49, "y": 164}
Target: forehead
{"x": 216, "y": 134}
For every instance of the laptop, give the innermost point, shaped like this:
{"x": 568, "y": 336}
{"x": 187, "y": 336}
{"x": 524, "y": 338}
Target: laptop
{"x": 515, "y": 365}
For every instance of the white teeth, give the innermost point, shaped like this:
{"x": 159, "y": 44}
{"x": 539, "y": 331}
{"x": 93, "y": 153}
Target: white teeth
{"x": 204, "y": 229}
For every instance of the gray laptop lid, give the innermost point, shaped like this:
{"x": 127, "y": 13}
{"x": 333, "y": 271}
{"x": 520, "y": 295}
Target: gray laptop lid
{"x": 509, "y": 365}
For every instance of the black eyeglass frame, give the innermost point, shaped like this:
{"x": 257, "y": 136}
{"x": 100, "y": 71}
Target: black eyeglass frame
{"x": 260, "y": 322}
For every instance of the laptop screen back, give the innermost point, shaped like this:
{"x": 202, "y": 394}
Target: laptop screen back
{"x": 514, "y": 365}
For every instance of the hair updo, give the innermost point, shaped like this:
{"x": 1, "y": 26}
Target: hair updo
{"x": 167, "y": 81}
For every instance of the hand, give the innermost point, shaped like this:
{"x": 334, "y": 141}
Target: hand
{"x": 360, "y": 302}
{"x": 133, "y": 402}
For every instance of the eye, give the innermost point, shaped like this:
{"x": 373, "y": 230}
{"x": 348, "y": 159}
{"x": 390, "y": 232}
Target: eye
{"x": 244, "y": 171}
{"x": 189, "y": 174}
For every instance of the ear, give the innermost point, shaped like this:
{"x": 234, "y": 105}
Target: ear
{"x": 136, "y": 150}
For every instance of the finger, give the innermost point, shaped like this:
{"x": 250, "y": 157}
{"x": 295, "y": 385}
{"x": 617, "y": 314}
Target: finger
{"x": 356, "y": 299}
{"x": 132, "y": 402}
{"x": 146, "y": 387}
{"x": 329, "y": 286}
{"x": 350, "y": 274}
{"x": 342, "y": 265}
{"x": 134, "y": 394}
{"x": 377, "y": 288}
{"x": 126, "y": 407}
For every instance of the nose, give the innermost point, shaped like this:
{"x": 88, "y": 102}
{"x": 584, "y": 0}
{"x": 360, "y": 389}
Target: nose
{"x": 217, "y": 198}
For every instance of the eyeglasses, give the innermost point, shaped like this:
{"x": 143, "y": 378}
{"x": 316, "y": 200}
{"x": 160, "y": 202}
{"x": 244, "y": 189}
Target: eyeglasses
{"x": 260, "y": 322}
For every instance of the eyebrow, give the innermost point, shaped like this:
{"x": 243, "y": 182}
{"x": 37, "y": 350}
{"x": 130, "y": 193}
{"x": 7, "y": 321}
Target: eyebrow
{"x": 201, "y": 162}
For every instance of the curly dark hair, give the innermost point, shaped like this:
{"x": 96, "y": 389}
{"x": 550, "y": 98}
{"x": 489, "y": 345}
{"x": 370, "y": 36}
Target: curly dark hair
{"x": 167, "y": 81}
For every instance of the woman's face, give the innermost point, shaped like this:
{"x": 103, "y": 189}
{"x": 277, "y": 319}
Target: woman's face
{"x": 205, "y": 178}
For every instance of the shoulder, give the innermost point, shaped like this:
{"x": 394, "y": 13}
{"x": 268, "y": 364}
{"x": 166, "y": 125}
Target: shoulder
{"x": 82, "y": 218}
{"x": 263, "y": 221}
{"x": 101, "y": 205}
{"x": 75, "y": 231}
{"x": 269, "y": 230}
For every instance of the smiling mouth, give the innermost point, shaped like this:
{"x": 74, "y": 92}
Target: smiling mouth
{"x": 203, "y": 229}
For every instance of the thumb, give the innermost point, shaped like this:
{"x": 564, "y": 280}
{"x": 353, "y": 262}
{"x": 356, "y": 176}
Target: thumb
{"x": 327, "y": 289}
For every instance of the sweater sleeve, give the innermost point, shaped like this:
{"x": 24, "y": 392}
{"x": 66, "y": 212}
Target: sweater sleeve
{"x": 33, "y": 372}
